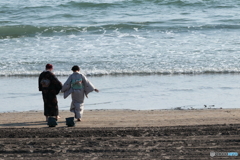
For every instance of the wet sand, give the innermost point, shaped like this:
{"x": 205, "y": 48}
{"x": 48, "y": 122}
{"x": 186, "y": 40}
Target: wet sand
{"x": 122, "y": 134}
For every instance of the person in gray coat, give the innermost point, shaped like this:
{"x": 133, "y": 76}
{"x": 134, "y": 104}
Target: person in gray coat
{"x": 78, "y": 86}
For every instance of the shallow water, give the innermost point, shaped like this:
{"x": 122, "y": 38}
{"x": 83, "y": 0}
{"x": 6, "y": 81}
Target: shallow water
{"x": 132, "y": 92}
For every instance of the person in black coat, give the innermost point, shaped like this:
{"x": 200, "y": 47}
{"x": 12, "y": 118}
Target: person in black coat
{"x": 50, "y": 87}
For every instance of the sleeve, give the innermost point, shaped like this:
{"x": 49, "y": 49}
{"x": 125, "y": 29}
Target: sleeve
{"x": 88, "y": 86}
{"x": 39, "y": 84}
{"x": 66, "y": 85}
{"x": 57, "y": 84}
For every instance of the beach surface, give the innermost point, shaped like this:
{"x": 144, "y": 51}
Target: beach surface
{"x": 122, "y": 134}
{"x": 125, "y": 118}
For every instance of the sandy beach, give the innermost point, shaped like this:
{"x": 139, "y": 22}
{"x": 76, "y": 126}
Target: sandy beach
{"x": 122, "y": 134}
{"x": 125, "y": 118}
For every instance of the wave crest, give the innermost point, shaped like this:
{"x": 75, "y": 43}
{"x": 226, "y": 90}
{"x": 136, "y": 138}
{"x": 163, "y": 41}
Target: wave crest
{"x": 32, "y": 31}
{"x": 123, "y": 73}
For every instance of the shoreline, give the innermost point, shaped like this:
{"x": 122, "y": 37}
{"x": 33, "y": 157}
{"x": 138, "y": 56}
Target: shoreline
{"x": 171, "y": 109}
{"x": 125, "y": 118}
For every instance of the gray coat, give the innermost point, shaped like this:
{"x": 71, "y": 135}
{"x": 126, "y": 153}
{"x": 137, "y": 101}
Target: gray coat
{"x": 78, "y": 86}
{"x": 68, "y": 89}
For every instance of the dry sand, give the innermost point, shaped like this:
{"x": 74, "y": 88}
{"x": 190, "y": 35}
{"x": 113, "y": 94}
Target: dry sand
{"x": 122, "y": 134}
{"x": 125, "y": 118}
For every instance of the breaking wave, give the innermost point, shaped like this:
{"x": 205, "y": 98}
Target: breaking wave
{"x": 122, "y": 73}
{"x": 32, "y": 31}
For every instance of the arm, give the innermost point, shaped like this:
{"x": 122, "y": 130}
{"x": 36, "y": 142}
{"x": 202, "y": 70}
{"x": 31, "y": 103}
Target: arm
{"x": 57, "y": 84}
{"x": 88, "y": 86}
{"x": 39, "y": 84}
{"x": 67, "y": 84}
{"x": 96, "y": 90}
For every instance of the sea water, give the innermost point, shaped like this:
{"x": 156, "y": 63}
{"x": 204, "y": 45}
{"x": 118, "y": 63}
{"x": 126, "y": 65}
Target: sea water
{"x": 140, "y": 54}
{"x": 135, "y": 92}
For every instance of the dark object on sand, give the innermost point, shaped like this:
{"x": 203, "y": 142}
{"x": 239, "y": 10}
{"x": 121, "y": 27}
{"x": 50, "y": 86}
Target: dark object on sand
{"x": 70, "y": 122}
{"x": 52, "y": 122}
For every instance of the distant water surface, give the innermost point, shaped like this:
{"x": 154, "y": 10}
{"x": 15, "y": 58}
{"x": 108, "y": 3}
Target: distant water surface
{"x": 142, "y": 54}
{"x": 116, "y": 37}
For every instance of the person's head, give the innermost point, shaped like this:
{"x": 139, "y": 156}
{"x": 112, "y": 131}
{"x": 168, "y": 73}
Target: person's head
{"x": 75, "y": 68}
{"x": 49, "y": 67}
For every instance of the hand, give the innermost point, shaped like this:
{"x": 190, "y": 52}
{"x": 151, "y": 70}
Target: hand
{"x": 96, "y": 90}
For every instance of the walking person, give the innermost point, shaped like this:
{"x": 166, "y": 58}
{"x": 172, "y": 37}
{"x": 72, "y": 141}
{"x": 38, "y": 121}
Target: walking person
{"x": 78, "y": 86}
{"x": 50, "y": 87}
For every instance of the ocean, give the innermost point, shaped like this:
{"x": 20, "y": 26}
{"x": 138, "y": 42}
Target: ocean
{"x": 140, "y": 54}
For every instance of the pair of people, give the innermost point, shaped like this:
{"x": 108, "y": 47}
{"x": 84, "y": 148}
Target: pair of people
{"x": 77, "y": 85}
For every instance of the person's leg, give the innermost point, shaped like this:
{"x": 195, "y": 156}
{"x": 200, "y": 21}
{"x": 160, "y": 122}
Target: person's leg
{"x": 53, "y": 106}
{"x": 77, "y": 103}
{"x": 45, "y": 104}
{"x": 78, "y": 110}
{"x": 81, "y": 112}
